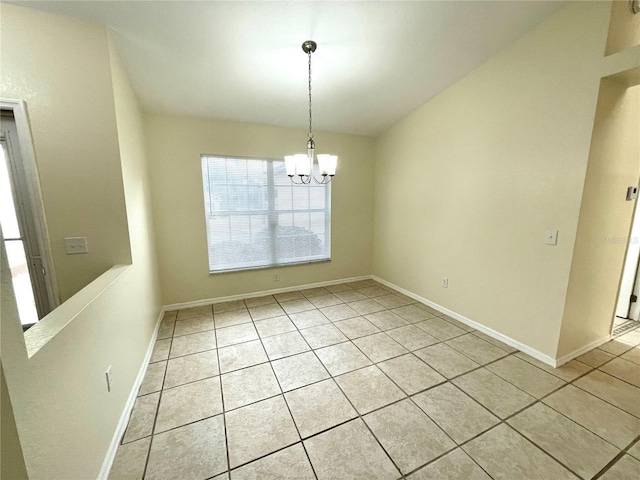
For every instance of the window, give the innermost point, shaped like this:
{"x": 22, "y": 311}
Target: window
{"x": 255, "y": 216}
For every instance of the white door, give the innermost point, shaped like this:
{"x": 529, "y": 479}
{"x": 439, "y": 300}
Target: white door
{"x": 634, "y": 308}
{"x": 630, "y": 271}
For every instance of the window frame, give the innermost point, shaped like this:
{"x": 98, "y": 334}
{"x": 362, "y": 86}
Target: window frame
{"x": 271, "y": 213}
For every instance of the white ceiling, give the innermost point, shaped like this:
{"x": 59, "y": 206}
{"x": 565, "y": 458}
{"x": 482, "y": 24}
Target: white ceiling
{"x": 376, "y": 61}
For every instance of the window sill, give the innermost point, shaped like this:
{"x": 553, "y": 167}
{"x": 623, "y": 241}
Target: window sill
{"x": 265, "y": 267}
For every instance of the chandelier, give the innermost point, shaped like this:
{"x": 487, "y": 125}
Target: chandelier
{"x": 301, "y": 165}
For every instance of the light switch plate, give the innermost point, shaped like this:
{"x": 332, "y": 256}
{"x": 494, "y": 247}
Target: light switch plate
{"x": 75, "y": 245}
{"x": 551, "y": 237}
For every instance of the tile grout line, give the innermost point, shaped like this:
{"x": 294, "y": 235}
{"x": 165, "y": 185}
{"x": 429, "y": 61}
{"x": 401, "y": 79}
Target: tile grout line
{"x": 617, "y": 458}
{"x": 408, "y": 352}
{"x": 284, "y": 399}
{"x": 614, "y": 376}
{"x": 501, "y": 421}
{"x": 447, "y": 380}
{"x": 155, "y": 417}
{"x": 540, "y": 400}
{"x": 488, "y": 363}
{"x": 273, "y": 396}
{"x": 460, "y": 445}
{"x": 359, "y": 415}
{"x": 416, "y": 393}
{"x": 603, "y": 399}
{"x": 224, "y": 413}
{"x": 562, "y": 464}
{"x": 406, "y": 397}
{"x": 536, "y": 400}
{"x": 333, "y": 322}
{"x": 624, "y": 451}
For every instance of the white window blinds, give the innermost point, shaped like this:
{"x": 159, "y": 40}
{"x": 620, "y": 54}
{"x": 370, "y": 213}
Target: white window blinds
{"x": 255, "y": 216}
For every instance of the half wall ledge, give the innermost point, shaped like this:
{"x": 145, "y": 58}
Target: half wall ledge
{"x": 47, "y": 328}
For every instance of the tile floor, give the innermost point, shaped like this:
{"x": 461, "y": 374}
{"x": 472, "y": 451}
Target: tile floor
{"x": 356, "y": 381}
{"x": 623, "y": 325}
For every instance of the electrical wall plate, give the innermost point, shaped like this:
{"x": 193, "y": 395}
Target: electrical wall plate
{"x": 632, "y": 192}
{"x": 551, "y": 237}
{"x": 75, "y": 245}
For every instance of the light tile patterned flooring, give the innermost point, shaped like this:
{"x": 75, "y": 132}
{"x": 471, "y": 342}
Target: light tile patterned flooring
{"x": 357, "y": 381}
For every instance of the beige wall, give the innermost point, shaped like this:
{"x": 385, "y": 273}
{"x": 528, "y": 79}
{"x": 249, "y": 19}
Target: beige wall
{"x": 137, "y": 185}
{"x": 467, "y": 185}
{"x": 624, "y": 27}
{"x": 11, "y": 459}
{"x": 605, "y": 218}
{"x": 71, "y": 111}
{"x": 65, "y": 417}
{"x": 174, "y": 145}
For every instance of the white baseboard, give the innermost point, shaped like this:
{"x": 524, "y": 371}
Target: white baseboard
{"x": 209, "y": 301}
{"x": 128, "y": 407}
{"x": 467, "y": 321}
{"x": 576, "y": 353}
{"x": 478, "y": 326}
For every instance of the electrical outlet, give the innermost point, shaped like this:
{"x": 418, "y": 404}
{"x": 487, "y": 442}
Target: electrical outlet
{"x": 445, "y": 282}
{"x": 75, "y": 245}
{"x": 276, "y": 277}
{"x": 109, "y": 378}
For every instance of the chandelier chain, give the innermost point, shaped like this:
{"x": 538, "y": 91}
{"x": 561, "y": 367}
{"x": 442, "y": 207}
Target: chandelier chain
{"x": 310, "y": 129}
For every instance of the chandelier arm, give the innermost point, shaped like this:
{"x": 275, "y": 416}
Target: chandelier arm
{"x": 304, "y": 179}
{"x": 325, "y": 179}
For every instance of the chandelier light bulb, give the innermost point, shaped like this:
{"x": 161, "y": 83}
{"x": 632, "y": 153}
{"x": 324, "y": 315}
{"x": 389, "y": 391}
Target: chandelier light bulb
{"x": 327, "y": 164}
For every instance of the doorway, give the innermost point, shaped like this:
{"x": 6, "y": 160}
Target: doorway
{"x": 627, "y": 314}
{"x": 627, "y": 309}
{"x": 23, "y": 229}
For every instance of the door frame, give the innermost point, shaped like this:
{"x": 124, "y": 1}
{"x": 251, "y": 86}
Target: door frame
{"x": 27, "y": 152}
